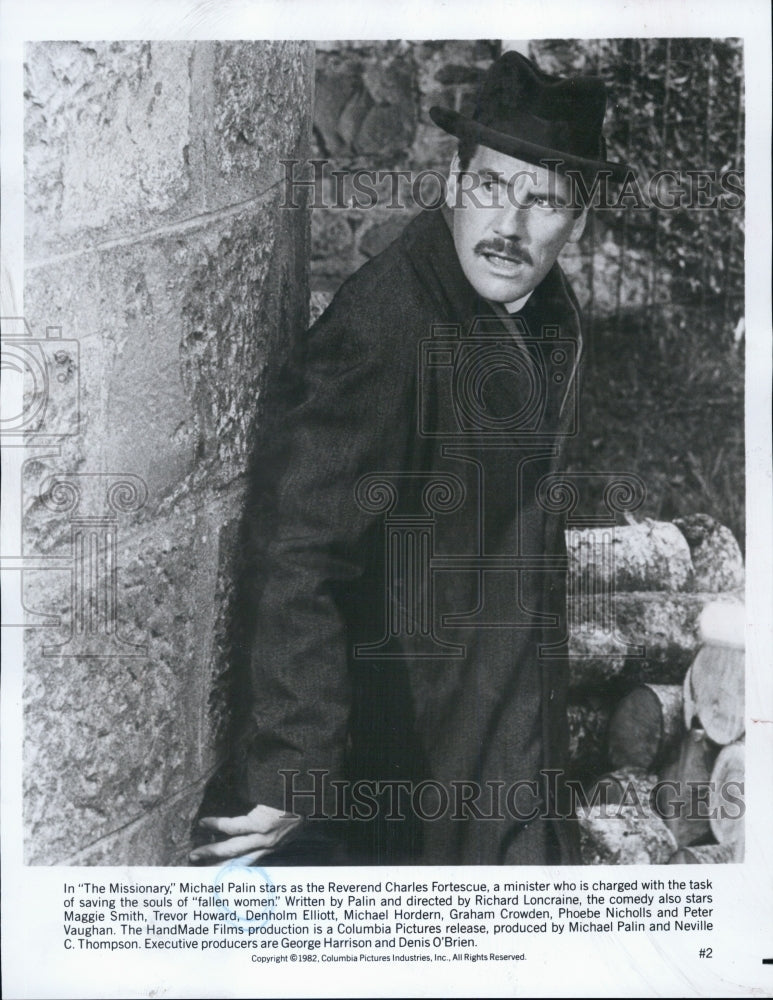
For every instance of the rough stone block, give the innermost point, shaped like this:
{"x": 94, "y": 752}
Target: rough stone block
{"x": 174, "y": 334}
{"x": 384, "y": 131}
{"x": 161, "y": 836}
{"x": 257, "y": 114}
{"x": 318, "y": 303}
{"x": 335, "y": 85}
{"x": 433, "y": 150}
{"x": 366, "y": 103}
{"x": 351, "y": 118}
{"x": 392, "y": 81}
{"x": 109, "y": 737}
{"x": 172, "y": 316}
{"x": 108, "y": 141}
{"x": 453, "y": 73}
{"x": 331, "y": 235}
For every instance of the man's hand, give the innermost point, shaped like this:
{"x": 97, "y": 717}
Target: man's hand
{"x": 249, "y": 837}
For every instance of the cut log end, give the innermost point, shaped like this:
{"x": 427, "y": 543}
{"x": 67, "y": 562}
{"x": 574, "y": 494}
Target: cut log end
{"x": 645, "y": 725}
{"x": 726, "y": 810}
{"x": 717, "y": 679}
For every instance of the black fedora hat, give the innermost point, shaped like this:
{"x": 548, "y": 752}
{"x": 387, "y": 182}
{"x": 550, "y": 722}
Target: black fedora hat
{"x": 533, "y": 116}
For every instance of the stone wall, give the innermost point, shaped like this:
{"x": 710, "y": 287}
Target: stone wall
{"x": 371, "y": 111}
{"x": 156, "y": 249}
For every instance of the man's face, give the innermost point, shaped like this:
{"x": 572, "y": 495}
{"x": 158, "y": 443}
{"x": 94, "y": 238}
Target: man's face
{"x": 511, "y": 220}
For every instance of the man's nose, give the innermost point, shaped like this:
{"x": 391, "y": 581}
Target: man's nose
{"x": 512, "y": 219}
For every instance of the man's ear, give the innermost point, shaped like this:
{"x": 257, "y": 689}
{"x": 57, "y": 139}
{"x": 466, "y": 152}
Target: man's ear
{"x": 579, "y": 227}
{"x": 453, "y": 176}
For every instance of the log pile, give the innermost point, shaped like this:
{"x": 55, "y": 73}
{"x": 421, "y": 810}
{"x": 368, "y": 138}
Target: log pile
{"x": 656, "y": 734}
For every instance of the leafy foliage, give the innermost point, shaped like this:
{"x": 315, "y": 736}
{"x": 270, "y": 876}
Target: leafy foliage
{"x": 664, "y": 384}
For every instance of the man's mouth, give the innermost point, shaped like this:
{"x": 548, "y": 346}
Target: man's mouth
{"x": 502, "y": 259}
{"x": 503, "y": 263}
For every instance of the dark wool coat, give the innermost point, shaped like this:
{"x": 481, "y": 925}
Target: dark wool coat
{"x": 396, "y": 638}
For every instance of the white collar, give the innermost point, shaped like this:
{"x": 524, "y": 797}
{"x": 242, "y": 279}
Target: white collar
{"x": 514, "y": 307}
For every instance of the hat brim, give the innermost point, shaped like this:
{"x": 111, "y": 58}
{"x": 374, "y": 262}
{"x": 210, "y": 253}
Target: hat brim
{"x": 467, "y": 128}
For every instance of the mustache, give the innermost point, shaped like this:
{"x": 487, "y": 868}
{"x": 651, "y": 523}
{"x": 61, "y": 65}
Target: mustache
{"x": 505, "y": 248}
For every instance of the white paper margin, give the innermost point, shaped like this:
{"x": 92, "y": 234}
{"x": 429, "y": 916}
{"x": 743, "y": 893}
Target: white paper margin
{"x": 648, "y": 965}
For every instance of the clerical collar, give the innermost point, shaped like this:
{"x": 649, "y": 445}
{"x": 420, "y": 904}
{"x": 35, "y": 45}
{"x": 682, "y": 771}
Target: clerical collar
{"x": 514, "y": 307}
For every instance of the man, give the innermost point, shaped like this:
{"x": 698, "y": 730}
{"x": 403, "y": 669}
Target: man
{"x": 405, "y": 707}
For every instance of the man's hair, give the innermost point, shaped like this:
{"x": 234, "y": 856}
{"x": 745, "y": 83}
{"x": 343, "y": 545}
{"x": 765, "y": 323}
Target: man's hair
{"x": 466, "y": 151}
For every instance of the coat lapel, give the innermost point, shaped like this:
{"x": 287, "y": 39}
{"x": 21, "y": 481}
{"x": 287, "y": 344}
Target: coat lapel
{"x": 549, "y": 314}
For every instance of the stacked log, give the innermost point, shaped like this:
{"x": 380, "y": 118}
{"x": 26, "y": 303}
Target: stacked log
{"x": 645, "y": 726}
{"x": 716, "y": 558}
{"x": 625, "y": 787}
{"x": 618, "y": 823}
{"x": 624, "y": 837}
{"x": 671, "y": 787}
{"x": 683, "y": 800}
{"x": 717, "y": 673}
{"x": 717, "y": 684}
{"x": 726, "y": 801}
